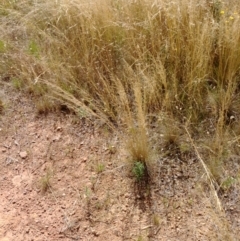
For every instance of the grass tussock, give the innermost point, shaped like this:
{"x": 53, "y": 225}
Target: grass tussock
{"x": 45, "y": 181}
{"x": 132, "y": 64}
{"x": 1, "y": 106}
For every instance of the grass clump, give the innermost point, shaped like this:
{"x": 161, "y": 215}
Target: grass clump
{"x": 139, "y": 151}
{"x": 45, "y": 105}
{"x": 228, "y": 183}
{"x": 45, "y": 181}
{"x": 17, "y": 83}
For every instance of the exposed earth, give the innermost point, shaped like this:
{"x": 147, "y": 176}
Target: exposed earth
{"x": 64, "y": 178}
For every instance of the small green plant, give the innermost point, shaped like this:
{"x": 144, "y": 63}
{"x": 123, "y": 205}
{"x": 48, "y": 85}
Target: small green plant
{"x": 228, "y": 183}
{"x": 87, "y": 193}
{"x": 33, "y": 49}
{"x": 166, "y": 202}
{"x": 17, "y": 83}
{"x": 156, "y": 220}
{"x": 190, "y": 202}
{"x": 139, "y": 170}
{"x": 100, "y": 167}
{"x": 184, "y": 147}
{"x": 140, "y": 238}
{"x": 2, "y": 47}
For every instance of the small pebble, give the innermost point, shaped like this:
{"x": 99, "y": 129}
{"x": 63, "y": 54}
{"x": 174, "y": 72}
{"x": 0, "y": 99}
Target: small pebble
{"x": 23, "y": 154}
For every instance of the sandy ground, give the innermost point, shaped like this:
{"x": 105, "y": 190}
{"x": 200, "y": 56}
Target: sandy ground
{"x": 65, "y": 179}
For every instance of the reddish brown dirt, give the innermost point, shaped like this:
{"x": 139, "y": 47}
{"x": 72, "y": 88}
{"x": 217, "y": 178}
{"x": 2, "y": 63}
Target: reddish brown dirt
{"x": 91, "y": 193}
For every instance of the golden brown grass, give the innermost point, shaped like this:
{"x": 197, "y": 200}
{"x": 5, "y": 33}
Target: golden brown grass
{"x": 94, "y": 54}
{"x": 45, "y": 181}
{"x": 133, "y": 64}
{"x": 129, "y": 62}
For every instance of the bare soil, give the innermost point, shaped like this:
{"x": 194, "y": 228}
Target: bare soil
{"x": 62, "y": 178}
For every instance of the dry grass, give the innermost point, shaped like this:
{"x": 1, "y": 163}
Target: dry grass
{"x": 45, "y": 181}
{"x": 130, "y": 63}
{"x": 1, "y": 106}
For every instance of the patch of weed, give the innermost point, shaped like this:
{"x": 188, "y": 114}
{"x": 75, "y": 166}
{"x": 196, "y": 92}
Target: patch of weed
{"x": 17, "y": 83}
{"x": 140, "y": 238}
{"x": 139, "y": 170}
{"x": 100, "y": 168}
{"x": 156, "y": 220}
{"x": 228, "y": 183}
{"x": 34, "y": 49}
{"x": 2, "y": 46}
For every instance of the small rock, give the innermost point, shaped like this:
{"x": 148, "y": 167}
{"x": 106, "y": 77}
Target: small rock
{"x": 56, "y": 138}
{"x": 23, "y": 154}
{"x": 124, "y": 209}
{"x": 59, "y": 128}
{"x": 126, "y": 195}
{"x": 95, "y": 233}
{"x": 16, "y": 143}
